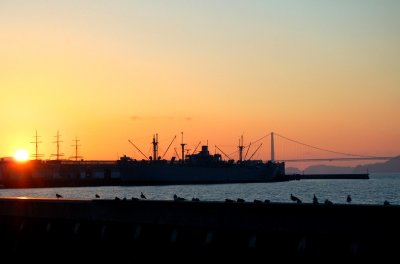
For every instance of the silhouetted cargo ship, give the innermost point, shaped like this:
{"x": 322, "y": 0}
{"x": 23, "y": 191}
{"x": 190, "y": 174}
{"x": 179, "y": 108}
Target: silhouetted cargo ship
{"x": 200, "y": 168}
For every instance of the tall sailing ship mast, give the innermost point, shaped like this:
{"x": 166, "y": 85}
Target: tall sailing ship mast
{"x": 76, "y": 156}
{"x": 58, "y": 154}
{"x": 36, "y": 142}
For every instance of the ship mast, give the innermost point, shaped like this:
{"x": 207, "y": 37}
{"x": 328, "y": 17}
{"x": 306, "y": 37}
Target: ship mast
{"x": 155, "y": 146}
{"x": 36, "y": 155}
{"x": 183, "y": 149}
{"x": 241, "y": 149}
{"x": 76, "y": 149}
{"x": 58, "y": 155}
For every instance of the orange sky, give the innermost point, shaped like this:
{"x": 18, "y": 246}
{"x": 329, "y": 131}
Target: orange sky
{"x": 326, "y": 74}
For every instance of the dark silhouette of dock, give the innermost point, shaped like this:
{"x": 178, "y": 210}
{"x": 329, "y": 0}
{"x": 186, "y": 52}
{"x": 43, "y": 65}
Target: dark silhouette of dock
{"x": 103, "y": 230}
{"x": 335, "y": 176}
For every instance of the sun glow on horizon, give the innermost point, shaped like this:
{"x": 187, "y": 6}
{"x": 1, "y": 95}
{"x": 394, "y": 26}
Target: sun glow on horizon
{"x": 21, "y": 155}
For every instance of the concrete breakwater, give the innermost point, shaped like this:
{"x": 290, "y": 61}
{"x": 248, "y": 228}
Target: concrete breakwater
{"x": 127, "y": 230}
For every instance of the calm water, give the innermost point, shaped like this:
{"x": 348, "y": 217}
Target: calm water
{"x": 378, "y": 188}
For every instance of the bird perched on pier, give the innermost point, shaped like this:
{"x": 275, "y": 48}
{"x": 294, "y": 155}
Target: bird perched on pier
{"x": 348, "y": 198}
{"x": 97, "y": 196}
{"x": 177, "y": 198}
{"x": 315, "y": 199}
{"x": 58, "y": 195}
{"x": 294, "y": 198}
{"x": 142, "y": 196}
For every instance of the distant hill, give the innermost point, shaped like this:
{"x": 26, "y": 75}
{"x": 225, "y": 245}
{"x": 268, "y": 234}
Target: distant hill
{"x": 392, "y": 165}
{"x": 324, "y": 169}
{"x": 292, "y": 170}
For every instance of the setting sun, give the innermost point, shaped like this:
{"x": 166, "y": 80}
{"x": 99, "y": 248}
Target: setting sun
{"x": 21, "y": 155}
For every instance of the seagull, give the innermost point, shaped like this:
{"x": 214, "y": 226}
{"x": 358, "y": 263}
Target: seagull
{"x": 58, "y": 196}
{"x": 315, "y": 200}
{"x": 177, "y": 198}
{"x": 348, "y": 198}
{"x": 142, "y": 196}
{"x": 294, "y": 198}
{"x": 97, "y": 196}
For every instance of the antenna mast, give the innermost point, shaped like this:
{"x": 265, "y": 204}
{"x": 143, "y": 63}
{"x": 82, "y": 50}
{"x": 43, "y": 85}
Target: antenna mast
{"x": 58, "y": 155}
{"x": 36, "y": 155}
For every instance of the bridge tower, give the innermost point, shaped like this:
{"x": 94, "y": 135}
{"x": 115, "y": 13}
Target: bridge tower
{"x": 272, "y": 147}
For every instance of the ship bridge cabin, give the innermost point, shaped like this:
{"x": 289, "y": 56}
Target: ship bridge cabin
{"x": 203, "y": 157}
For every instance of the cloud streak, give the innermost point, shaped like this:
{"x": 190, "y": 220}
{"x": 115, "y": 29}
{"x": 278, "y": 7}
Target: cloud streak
{"x": 154, "y": 118}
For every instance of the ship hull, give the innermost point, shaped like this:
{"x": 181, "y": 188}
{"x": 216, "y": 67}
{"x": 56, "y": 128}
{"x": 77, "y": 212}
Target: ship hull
{"x": 153, "y": 173}
{"x": 102, "y": 173}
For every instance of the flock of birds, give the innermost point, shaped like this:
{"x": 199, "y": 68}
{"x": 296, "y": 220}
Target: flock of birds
{"x": 239, "y": 200}
{"x": 315, "y": 199}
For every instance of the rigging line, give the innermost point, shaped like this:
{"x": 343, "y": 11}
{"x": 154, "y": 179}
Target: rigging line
{"x": 255, "y": 151}
{"x": 331, "y": 151}
{"x": 236, "y": 151}
{"x": 233, "y": 152}
{"x": 257, "y": 140}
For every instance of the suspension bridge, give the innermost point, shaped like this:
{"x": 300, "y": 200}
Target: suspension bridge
{"x": 298, "y": 151}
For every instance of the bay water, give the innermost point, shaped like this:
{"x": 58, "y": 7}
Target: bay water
{"x": 377, "y": 189}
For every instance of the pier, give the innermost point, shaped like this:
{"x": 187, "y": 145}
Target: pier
{"x": 336, "y": 176}
{"x": 128, "y": 230}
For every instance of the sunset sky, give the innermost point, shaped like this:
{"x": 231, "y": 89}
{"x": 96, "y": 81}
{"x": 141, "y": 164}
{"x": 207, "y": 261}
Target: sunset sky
{"x": 326, "y": 73}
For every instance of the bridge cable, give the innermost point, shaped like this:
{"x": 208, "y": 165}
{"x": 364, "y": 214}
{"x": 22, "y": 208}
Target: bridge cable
{"x": 331, "y": 151}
